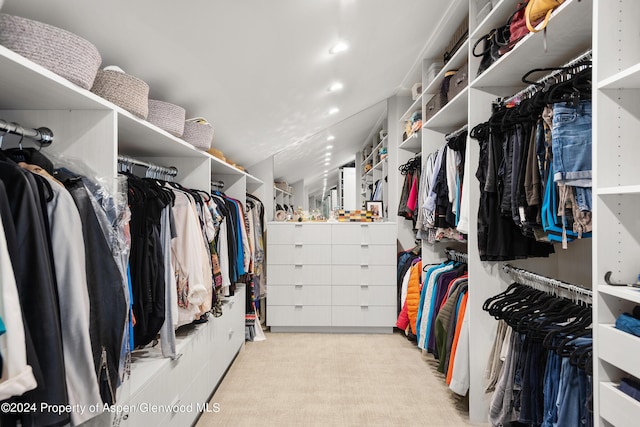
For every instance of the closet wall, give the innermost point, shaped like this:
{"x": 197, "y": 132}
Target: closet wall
{"x": 616, "y": 203}
{"x": 94, "y": 131}
{"x": 569, "y": 35}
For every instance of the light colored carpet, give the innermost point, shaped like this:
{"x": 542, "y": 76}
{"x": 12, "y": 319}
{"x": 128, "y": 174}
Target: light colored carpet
{"x": 334, "y": 380}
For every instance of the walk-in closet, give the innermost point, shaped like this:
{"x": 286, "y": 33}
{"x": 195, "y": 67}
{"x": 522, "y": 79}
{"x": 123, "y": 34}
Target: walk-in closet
{"x": 330, "y": 212}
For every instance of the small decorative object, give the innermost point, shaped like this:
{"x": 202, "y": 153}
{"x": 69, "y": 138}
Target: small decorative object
{"x": 124, "y": 90}
{"x": 375, "y": 207}
{"x": 217, "y": 153}
{"x": 57, "y": 50}
{"x": 167, "y": 116}
{"x": 281, "y": 215}
{"x": 198, "y": 132}
{"x": 416, "y": 91}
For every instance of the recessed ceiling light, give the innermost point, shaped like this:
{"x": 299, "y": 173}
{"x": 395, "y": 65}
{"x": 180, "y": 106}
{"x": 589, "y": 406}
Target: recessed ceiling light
{"x": 329, "y": 147}
{"x": 327, "y": 154}
{"x": 326, "y": 171}
{"x": 335, "y": 87}
{"x": 326, "y": 163}
{"x": 331, "y": 138}
{"x": 339, "y": 47}
{"x": 334, "y": 110}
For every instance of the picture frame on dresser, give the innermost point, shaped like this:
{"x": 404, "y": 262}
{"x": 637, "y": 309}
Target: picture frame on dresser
{"x": 376, "y": 207}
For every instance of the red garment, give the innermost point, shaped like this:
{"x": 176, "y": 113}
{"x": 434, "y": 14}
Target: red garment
{"x": 403, "y": 318}
{"x": 412, "y": 201}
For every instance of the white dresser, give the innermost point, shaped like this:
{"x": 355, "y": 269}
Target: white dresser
{"x": 331, "y": 277}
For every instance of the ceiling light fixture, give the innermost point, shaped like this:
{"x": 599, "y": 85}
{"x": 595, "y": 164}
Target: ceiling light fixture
{"x": 335, "y": 87}
{"x": 329, "y": 147}
{"x": 331, "y": 138}
{"x": 334, "y": 110}
{"x": 339, "y": 47}
{"x": 326, "y": 163}
{"x": 326, "y": 171}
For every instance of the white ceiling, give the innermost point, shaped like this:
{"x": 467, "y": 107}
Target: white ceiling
{"x": 259, "y": 70}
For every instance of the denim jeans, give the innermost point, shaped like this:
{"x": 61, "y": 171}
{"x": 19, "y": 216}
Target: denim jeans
{"x": 571, "y": 143}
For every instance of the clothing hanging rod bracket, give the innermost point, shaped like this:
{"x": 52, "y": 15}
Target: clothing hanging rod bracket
{"x": 457, "y": 256}
{"x": 456, "y": 133}
{"x": 170, "y": 171}
{"x": 533, "y": 88}
{"x": 43, "y": 136}
{"x": 519, "y": 275}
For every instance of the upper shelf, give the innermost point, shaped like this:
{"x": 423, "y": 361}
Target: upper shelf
{"x": 413, "y": 143}
{"x": 457, "y": 61}
{"x": 620, "y": 190}
{"x": 625, "y": 79}
{"x": 568, "y": 35}
{"x": 496, "y": 18}
{"x": 417, "y": 105}
{"x": 452, "y": 115}
{"x": 26, "y": 85}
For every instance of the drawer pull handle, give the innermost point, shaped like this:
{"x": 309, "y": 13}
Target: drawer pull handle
{"x": 298, "y": 245}
{"x": 364, "y": 306}
{"x": 298, "y": 266}
{"x": 364, "y": 286}
{"x": 298, "y": 285}
{"x": 364, "y": 265}
{"x": 364, "y": 245}
{"x": 298, "y": 305}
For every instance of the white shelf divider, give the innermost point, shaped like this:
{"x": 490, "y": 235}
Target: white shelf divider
{"x": 620, "y": 190}
{"x": 625, "y": 79}
{"x": 453, "y": 115}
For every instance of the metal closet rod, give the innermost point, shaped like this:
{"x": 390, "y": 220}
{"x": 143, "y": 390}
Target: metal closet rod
{"x": 44, "y": 136}
{"x": 454, "y": 255}
{"x": 536, "y": 87}
{"x": 519, "y": 274}
{"x": 169, "y": 171}
{"x": 456, "y": 133}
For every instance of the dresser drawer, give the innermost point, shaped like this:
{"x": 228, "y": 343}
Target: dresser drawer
{"x": 372, "y": 316}
{"x": 288, "y": 234}
{"x": 355, "y": 234}
{"x": 372, "y": 275}
{"x": 299, "y": 254}
{"x": 364, "y": 295}
{"x": 299, "y": 295}
{"x": 298, "y": 274}
{"x": 303, "y": 315}
{"x": 364, "y": 254}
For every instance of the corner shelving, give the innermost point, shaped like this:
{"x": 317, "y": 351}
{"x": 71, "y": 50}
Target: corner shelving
{"x": 457, "y": 60}
{"x": 412, "y": 143}
{"x": 452, "y": 115}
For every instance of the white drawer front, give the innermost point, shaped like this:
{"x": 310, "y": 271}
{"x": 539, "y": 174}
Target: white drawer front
{"x": 364, "y": 254}
{"x": 283, "y": 234}
{"x": 299, "y": 295}
{"x": 372, "y": 275}
{"x": 299, "y": 254}
{"x": 364, "y": 295}
{"x": 373, "y": 316}
{"x": 305, "y": 315}
{"x": 355, "y": 234}
{"x": 298, "y": 274}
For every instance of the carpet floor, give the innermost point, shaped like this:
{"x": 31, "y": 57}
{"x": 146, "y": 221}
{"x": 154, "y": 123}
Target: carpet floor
{"x": 334, "y": 380}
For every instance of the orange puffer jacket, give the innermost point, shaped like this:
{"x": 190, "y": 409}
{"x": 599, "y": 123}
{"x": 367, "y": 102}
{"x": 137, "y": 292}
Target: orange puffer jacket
{"x": 413, "y": 294}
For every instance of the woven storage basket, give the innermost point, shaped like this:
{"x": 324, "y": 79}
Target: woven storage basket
{"x": 199, "y": 135}
{"x": 167, "y": 116}
{"x": 124, "y": 90}
{"x": 217, "y": 153}
{"x": 57, "y": 50}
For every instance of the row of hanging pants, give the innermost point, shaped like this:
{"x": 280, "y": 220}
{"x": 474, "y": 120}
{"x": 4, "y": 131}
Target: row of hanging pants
{"x": 539, "y": 369}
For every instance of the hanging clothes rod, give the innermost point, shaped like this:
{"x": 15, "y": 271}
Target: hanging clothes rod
{"x": 521, "y": 275}
{"x": 531, "y": 89}
{"x": 456, "y": 133}
{"x": 454, "y": 255}
{"x": 43, "y": 136}
{"x": 130, "y": 161}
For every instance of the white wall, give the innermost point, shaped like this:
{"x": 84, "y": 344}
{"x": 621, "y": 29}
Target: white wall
{"x": 264, "y": 171}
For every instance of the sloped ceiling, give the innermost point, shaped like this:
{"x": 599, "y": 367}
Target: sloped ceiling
{"x": 259, "y": 70}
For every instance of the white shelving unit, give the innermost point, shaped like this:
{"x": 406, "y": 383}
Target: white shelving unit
{"x": 95, "y": 131}
{"x": 371, "y": 147}
{"x": 568, "y": 35}
{"x": 616, "y": 201}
